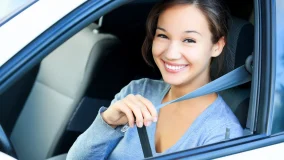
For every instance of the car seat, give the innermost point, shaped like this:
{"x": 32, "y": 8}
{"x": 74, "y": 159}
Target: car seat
{"x": 240, "y": 44}
{"x": 63, "y": 78}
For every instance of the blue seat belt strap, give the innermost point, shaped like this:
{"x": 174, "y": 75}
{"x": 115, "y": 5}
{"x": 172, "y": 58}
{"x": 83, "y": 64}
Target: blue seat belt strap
{"x": 232, "y": 79}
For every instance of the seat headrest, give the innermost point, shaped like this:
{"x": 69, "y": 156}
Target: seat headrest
{"x": 240, "y": 42}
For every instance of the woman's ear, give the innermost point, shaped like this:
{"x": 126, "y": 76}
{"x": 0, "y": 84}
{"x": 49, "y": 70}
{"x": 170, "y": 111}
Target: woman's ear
{"x": 218, "y": 47}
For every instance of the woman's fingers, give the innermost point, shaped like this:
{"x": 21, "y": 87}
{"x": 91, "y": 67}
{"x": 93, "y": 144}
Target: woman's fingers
{"x": 128, "y": 112}
{"x": 143, "y": 110}
{"x": 149, "y": 106}
{"x": 132, "y": 109}
{"x": 135, "y": 109}
{"x": 147, "y": 118}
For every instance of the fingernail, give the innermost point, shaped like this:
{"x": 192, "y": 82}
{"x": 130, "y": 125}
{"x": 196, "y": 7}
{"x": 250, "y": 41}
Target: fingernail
{"x": 155, "y": 119}
{"x": 140, "y": 124}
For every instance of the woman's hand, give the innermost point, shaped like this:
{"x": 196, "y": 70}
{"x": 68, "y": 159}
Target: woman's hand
{"x": 132, "y": 109}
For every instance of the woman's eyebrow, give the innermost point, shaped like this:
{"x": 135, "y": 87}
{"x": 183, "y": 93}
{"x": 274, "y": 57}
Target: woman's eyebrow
{"x": 160, "y": 28}
{"x": 189, "y": 31}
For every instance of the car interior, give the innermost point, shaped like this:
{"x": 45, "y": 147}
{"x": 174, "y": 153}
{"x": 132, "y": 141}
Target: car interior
{"x": 50, "y": 106}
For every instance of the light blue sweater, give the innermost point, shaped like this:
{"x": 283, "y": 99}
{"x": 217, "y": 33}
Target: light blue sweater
{"x": 100, "y": 141}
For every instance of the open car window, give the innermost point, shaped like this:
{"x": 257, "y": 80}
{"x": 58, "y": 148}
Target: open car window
{"x": 59, "y": 67}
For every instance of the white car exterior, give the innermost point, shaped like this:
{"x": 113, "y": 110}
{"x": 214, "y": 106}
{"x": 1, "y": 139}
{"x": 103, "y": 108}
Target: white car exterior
{"x": 265, "y": 153}
{"x": 30, "y": 23}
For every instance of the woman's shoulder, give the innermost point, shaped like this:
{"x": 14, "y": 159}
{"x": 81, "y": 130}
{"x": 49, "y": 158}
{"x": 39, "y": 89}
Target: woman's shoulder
{"x": 147, "y": 82}
{"x": 220, "y": 123}
{"x": 145, "y": 87}
{"x": 222, "y": 119}
{"x": 219, "y": 110}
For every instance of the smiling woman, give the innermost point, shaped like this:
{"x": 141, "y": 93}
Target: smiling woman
{"x": 183, "y": 37}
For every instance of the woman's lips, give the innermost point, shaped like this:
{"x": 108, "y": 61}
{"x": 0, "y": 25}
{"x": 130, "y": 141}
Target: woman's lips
{"x": 174, "y": 68}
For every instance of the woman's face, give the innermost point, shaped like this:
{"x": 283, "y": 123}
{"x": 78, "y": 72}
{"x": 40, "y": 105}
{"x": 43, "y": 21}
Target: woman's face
{"x": 182, "y": 46}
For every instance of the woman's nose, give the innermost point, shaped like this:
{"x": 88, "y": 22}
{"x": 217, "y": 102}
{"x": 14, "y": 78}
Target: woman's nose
{"x": 173, "y": 51}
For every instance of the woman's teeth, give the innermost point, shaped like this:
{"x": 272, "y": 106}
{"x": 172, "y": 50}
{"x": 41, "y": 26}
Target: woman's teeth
{"x": 174, "y": 67}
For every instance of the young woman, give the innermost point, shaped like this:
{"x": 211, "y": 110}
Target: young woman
{"x": 183, "y": 38}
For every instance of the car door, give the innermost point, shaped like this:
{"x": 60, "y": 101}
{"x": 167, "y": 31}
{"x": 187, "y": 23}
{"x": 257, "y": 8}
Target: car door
{"x": 266, "y": 99}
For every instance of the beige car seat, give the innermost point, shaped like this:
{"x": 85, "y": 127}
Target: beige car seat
{"x": 62, "y": 80}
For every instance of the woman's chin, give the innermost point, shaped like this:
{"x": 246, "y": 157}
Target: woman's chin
{"x": 175, "y": 81}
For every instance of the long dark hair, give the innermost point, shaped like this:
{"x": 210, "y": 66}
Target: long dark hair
{"x": 217, "y": 16}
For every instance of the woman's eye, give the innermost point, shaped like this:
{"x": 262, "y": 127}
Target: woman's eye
{"x": 162, "y": 36}
{"x": 189, "y": 41}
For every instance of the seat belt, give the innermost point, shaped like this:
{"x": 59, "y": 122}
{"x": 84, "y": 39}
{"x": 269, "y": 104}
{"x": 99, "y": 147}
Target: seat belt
{"x": 232, "y": 79}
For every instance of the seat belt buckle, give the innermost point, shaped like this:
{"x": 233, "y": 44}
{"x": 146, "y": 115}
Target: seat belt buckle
{"x": 125, "y": 128}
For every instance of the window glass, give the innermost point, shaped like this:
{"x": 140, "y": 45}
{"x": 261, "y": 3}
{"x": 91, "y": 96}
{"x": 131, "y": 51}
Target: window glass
{"x": 9, "y": 8}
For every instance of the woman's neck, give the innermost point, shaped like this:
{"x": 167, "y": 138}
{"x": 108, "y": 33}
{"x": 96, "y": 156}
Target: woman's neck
{"x": 181, "y": 90}
{"x": 198, "y": 103}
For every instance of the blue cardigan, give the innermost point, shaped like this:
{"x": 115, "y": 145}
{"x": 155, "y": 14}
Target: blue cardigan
{"x": 101, "y": 141}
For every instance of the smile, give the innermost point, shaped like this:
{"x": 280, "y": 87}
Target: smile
{"x": 174, "y": 68}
